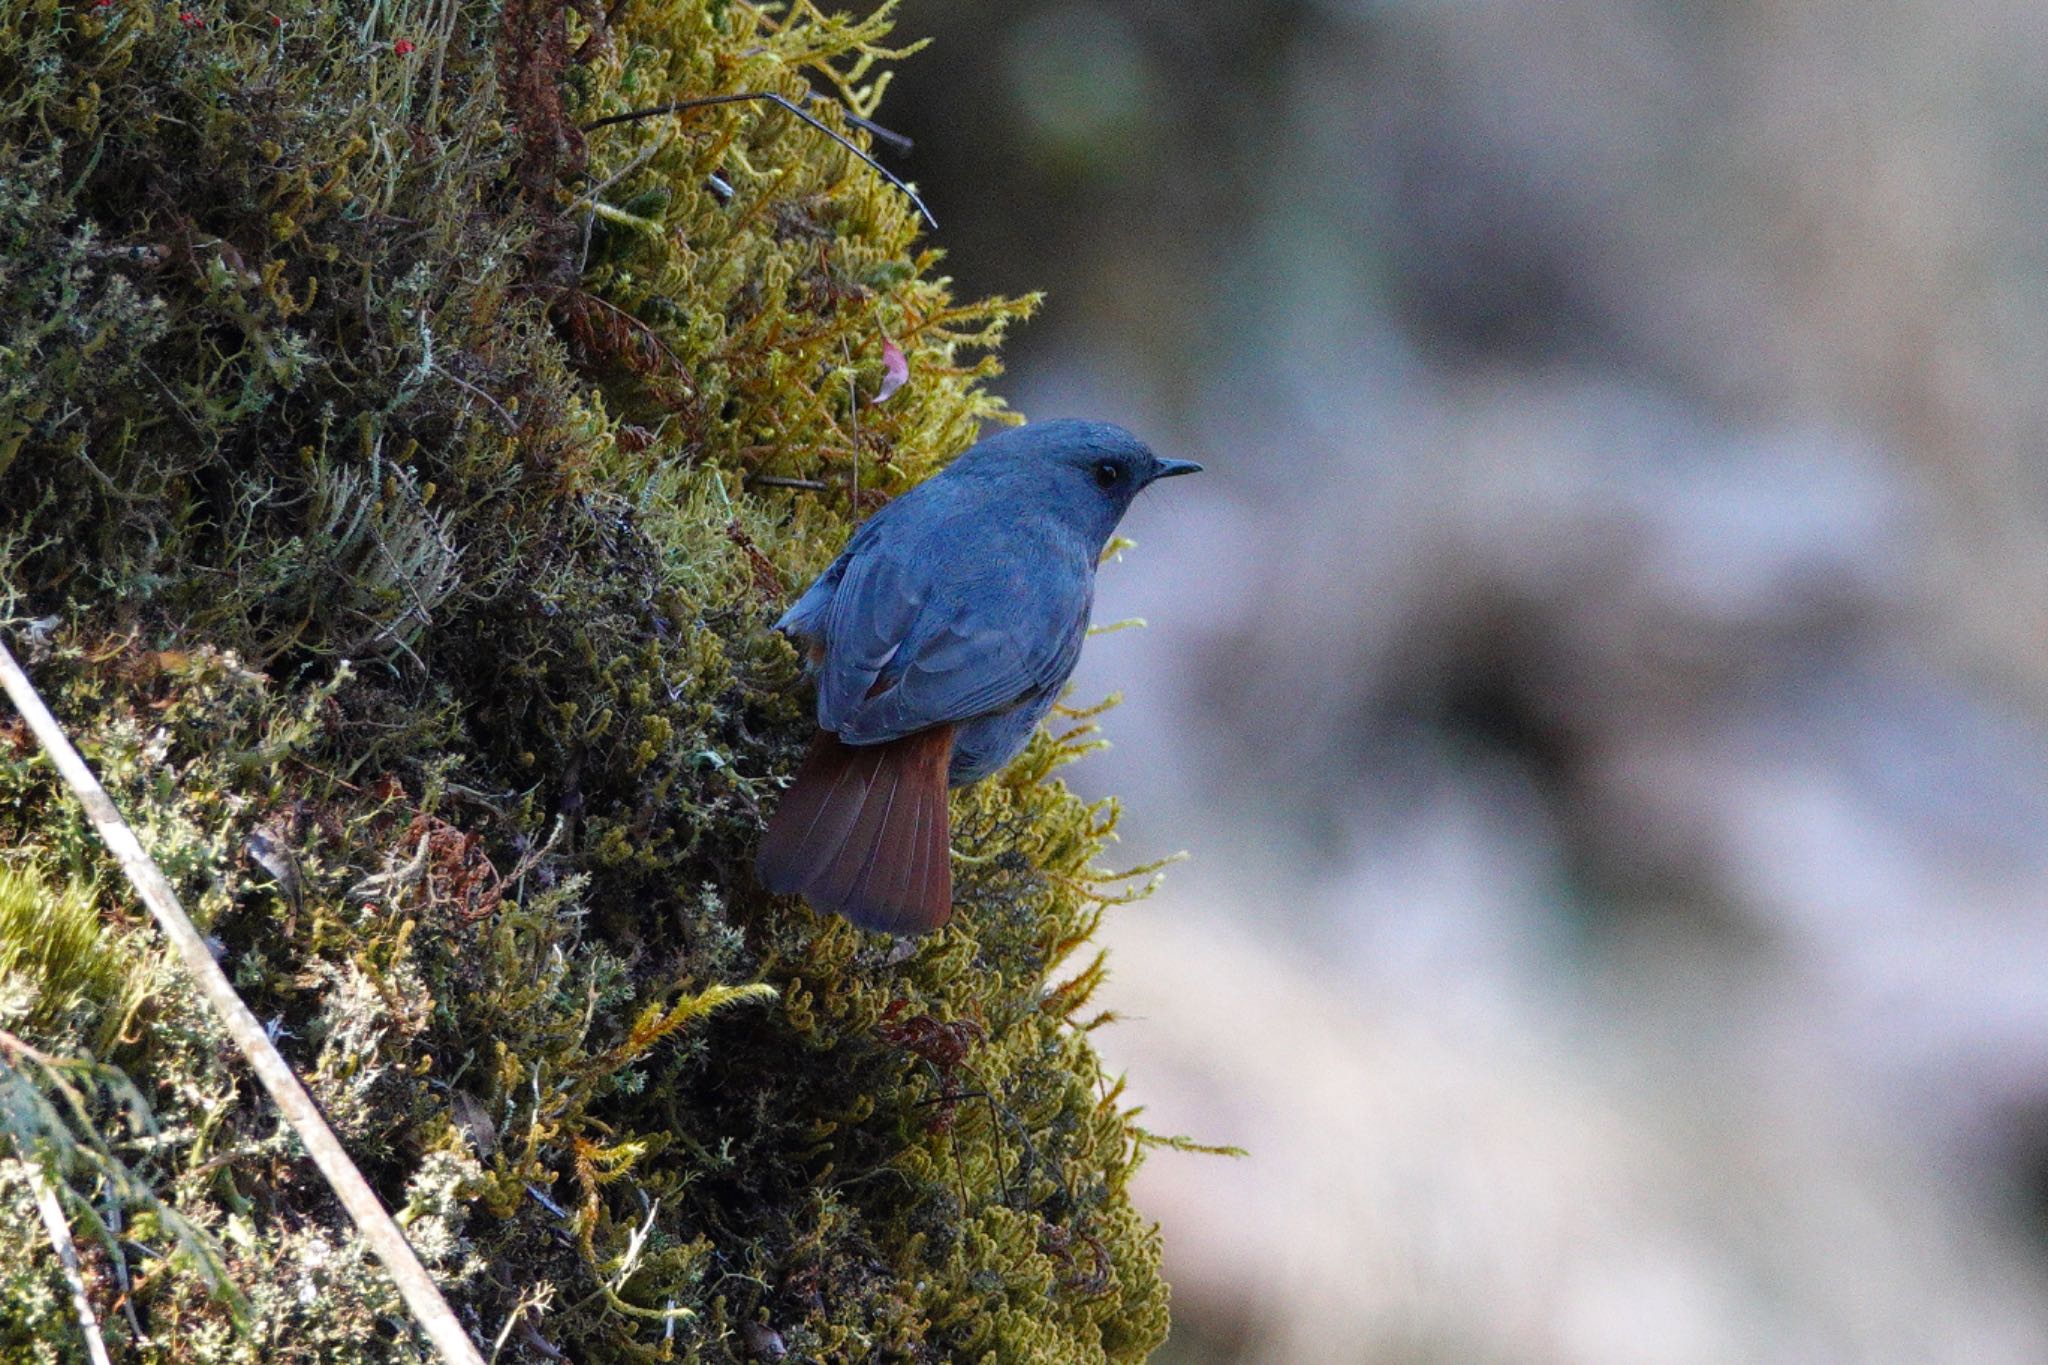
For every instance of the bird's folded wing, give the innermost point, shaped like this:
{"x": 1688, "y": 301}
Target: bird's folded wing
{"x": 986, "y": 656}
{"x": 873, "y": 610}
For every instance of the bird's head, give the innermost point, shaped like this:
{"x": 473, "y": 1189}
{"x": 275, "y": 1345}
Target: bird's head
{"x": 1085, "y": 472}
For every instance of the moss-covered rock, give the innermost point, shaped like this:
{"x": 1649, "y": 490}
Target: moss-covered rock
{"x": 398, "y": 476}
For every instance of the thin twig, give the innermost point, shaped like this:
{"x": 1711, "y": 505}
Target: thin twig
{"x": 853, "y": 420}
{"x": 777, "y": 481}
{"x": 60, "y": 1237}
{"x": 784, "y": 102}
{"x": 435, "y": 1318}
{"x": 506, "y": 419}
{"x": 124, "y": 1281}
{"x": 902, "y": 144}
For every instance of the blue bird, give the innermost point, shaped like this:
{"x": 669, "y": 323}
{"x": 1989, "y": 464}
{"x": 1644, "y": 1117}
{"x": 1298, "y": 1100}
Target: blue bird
{"x": 939, "y": 639}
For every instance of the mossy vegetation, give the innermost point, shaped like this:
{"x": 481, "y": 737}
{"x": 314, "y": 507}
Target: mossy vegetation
{"x": 381, "y": 512}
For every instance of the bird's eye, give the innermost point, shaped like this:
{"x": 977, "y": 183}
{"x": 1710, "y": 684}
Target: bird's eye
{"x": 1107, "y": 474}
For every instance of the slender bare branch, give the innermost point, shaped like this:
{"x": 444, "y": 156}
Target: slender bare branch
{"x": 60, "y": 1237}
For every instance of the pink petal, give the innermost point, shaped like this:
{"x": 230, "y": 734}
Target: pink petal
{"x": 895, "y": 370}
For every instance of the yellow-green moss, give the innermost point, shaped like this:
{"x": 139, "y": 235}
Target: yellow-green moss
{"x": 378, "y": 509}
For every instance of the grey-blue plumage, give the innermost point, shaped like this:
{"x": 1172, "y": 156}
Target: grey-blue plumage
{"x": 950, "y": 622}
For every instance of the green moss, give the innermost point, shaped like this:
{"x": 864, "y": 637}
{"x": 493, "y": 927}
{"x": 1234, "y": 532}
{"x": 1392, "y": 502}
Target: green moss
{"x": 378, "y": 459}
{"x": 53, "y": 964}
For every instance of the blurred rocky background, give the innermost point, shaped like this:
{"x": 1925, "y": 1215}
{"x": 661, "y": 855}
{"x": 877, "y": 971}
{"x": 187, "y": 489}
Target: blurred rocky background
{"x": 1601, "y": 678}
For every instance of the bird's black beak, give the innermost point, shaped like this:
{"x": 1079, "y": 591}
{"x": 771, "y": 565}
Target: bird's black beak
{"x": 1168, "y": 468}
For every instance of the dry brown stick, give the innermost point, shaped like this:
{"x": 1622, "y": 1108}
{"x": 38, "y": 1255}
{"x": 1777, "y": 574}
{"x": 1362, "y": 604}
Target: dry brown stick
{"x": 60, "y": 1237}
{"x": 436, "y": 1319}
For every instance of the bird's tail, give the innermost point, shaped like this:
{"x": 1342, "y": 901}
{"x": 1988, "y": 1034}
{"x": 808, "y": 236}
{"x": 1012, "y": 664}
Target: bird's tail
{"x": 863, "y": 831}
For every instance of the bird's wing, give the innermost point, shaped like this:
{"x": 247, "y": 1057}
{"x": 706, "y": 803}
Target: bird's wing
{"x": 809, "y": 617}
{"x": 981, "y": 642}
{"x": 805, "y": 619}
{"x": 872, "y": 611}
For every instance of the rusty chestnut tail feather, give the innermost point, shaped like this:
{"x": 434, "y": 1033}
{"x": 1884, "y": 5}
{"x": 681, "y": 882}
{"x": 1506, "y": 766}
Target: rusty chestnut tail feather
{"x": 863, "y": 831}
